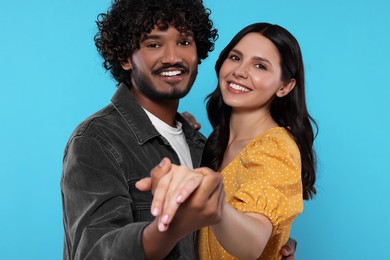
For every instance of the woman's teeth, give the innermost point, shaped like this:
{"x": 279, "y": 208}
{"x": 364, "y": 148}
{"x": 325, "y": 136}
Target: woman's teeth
{"x": 238, "y": 87}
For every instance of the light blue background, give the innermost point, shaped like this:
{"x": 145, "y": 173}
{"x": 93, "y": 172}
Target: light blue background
{"x": 51, "y": 78}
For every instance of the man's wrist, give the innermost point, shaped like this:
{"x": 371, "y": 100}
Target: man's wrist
{"x": 158, "y": 244}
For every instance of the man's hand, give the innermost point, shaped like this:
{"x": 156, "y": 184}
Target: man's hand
{"x": 150, "y": 183}
{"x": 197, "y": 186}
{"x": 288, "y": 250}
{"x": 202, "y": 208}
{"x": 173, "y": 189}
{"x": 170, "y": 185}
{"x": 173, "y": 185}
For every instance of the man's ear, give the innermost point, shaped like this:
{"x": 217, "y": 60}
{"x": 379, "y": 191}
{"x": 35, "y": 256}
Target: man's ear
{"x": 286, "y": 88}
{"x": 127, "y": 65}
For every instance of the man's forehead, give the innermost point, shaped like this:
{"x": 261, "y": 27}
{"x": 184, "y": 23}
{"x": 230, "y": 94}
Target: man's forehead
{"x": 158, "y": 32}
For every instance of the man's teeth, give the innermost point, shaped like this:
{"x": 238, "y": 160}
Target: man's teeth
{"x": 238, "y": 87}
{"x": 170, "y": 73}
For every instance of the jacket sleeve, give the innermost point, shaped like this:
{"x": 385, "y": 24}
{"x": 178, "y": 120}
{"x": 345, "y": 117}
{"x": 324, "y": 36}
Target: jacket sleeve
{"x": 97, "y": 212}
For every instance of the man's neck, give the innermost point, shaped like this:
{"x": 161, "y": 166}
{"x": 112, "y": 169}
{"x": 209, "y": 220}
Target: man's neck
{"x": 165, "y": 110}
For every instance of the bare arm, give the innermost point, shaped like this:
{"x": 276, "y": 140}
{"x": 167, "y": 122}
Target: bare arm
{"x": 251, "y": 227}
{"x": 254, "y": 231}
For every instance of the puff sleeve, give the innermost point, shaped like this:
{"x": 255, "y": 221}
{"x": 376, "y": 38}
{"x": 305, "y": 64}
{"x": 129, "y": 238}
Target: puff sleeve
{"x": 269, "y": 182}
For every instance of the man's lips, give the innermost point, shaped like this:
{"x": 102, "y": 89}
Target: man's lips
{"x": 171, "y": 70}
{"x": 170, "y": 73}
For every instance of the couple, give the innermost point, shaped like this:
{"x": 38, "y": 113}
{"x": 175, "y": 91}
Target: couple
{"x": 261, "y": 142}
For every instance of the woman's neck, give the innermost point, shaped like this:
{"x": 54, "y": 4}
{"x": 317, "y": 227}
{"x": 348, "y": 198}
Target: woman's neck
{"x": 249, "y": 124}
{"x": 244, "y": 126}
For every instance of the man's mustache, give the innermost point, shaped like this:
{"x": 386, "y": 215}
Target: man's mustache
{"x": 180, "y": 66}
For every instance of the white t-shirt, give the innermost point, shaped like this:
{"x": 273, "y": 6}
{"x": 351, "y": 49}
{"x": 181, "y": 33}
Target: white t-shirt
{"x": 175, "y": 137}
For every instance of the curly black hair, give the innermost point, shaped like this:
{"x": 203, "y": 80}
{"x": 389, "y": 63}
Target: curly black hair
{"x": 121, "y": 28}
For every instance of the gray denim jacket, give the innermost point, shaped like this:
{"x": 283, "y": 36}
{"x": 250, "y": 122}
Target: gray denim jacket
{"x": 103, "y": 213}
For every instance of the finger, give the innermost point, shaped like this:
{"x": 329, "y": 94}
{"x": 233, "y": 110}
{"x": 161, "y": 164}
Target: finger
{"x": 188, "y": 117}
{"x": 204, "y": 171}
{"x": 287, "y": 250}
{"x": 159, "y": 171}
{"x": 179, "y": 196}
{"x": 221, "y": 200}
{"x": 209, "y": 184}
{"x": 189, "y": 187}
{"x": 214, "y": 205}
{"x": 218, "y": 196}
{"x": 144, "y": 184}
{"x": 293, "y": 243}
{"x": 191, "y": 120}
{"x": 159, "y": 195}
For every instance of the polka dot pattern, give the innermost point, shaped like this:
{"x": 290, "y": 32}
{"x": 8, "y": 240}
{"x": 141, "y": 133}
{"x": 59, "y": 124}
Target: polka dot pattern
{"x": 264, "y": 178}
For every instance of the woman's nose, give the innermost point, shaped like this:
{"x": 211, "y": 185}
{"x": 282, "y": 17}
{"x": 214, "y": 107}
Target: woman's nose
{"x": 241, "y": 71}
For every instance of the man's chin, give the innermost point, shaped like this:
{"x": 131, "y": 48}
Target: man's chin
{"x": 175, "y": 94}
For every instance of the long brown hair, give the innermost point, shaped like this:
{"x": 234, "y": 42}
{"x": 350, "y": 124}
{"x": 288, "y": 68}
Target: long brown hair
{"x": 289, "y": 111}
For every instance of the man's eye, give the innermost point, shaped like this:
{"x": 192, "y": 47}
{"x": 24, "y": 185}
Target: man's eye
{"x": 185, "y": 42}
{"x": 152, "y": 45}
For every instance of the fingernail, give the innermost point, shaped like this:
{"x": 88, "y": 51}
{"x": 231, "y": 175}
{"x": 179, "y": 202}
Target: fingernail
{"x": 161, "y": 227}
{"x": 162, "y": 163}
{"x": 164, "y": 219}
{"x": 155, "y": 212}
{"x": 179, "y": 198}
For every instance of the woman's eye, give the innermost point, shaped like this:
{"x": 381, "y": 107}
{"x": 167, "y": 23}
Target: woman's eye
{"x": 234, "y": 57}
{"x": 260, "y": 66}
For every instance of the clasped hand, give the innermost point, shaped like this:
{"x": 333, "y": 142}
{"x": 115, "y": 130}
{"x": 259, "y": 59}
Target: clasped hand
{"x": 189, "y": 198}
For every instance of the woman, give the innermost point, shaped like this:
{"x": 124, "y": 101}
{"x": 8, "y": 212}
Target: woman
{"x": 262, "y": 143}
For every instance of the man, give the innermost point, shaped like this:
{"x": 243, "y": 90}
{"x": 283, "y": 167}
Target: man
{"x": 152, "y": 48}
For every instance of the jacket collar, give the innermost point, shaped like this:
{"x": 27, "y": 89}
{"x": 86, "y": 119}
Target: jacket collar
{"x": 140, "y": 124}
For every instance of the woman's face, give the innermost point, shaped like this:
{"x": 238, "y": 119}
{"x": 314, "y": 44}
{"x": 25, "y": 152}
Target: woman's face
{"x": 250, "y": 77}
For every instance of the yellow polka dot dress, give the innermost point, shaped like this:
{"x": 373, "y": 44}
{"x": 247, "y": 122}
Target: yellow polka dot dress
{"x": 264, "y": 178}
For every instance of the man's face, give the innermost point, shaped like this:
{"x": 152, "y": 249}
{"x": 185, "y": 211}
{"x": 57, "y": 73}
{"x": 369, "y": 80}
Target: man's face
{"x": 165, "y": 66}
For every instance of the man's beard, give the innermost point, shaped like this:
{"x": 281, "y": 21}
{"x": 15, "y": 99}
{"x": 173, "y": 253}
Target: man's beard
{"x": 151, "y": 91}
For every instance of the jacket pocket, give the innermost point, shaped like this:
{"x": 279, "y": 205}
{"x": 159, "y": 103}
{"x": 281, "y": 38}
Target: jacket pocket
{"x": 141, "y": 203}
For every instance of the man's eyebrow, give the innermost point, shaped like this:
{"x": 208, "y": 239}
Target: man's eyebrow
{"x": 150, "y": 37}
{"x": 147, "y": 36}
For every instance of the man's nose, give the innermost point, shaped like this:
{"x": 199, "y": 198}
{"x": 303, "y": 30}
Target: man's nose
{"x": 171, "y": 54}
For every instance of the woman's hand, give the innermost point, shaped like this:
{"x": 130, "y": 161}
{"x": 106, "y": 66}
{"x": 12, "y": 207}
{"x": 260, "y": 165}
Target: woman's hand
{"x": 171, "y": 185}
{"x": 191, "y": 120}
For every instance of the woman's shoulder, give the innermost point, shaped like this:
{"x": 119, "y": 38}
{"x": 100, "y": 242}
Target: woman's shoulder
{"x": 275, "y": 136}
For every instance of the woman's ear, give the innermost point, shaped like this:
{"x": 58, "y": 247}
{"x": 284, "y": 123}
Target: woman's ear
{"x": 286, "y": 88}
{"x": 127, "y": 65}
